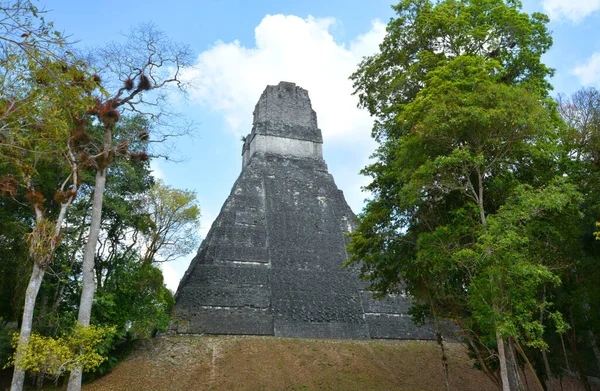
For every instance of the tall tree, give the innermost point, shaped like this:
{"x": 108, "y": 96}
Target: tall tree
{"x": 464, "y": 122}
{"x": 174, "y": 217}
{"x": 141, "y": 72}
{"x": 50, "y": 95}
{"x": 580, "y": 295}
{"x": 425, "y": 35}
{"x": 44, "y": 92}
{"x": 128, "y": 178}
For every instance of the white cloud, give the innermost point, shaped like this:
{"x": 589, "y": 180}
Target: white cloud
{"x": 157, "y": 173}
{"x": 229, "y": 77}
{"x": 368, "y": 43}
{"x": 205, "y": 223}
{"x": 170, "y": 276}
{"x": 589, "y": 73}
{"x": 574, "y": 10}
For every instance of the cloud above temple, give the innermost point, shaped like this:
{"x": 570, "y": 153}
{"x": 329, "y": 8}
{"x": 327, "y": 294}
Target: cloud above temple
{"x": 573, "y": 10}
{"x": 229, "y": 78}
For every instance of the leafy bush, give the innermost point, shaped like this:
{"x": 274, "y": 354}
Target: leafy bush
{"x": 55, "y": 356}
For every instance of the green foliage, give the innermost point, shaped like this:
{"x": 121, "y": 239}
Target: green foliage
{"x": 481, "y": 195}
{"x": 14, "y": 267}
{"x": 521, "y": 248}
{"x": 579, "y": 295}
{"x": 130, "y": 292}
{"x": 55, "y": 356}
{"x": 174, "y": 223}
{"x": 44, "y": 104}
{"x": 134, "y": 299}
{"x": 426, "y": 35}
{"x": 461, "y": 138}
{"x": 6, "y": 350}
{"x": 53, "y": 137}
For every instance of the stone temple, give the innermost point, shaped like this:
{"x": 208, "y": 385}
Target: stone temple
{"x": 271, "y": 263}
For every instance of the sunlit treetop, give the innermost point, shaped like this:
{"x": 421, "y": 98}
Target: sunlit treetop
{"x": 425, "y": 35}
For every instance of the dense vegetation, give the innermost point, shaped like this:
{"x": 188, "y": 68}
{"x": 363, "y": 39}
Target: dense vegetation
{"x": 82, "y": 219}
{"x": 485, "y": 189}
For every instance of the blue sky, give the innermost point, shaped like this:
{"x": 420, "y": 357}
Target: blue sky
{"x": 241, "y": 46}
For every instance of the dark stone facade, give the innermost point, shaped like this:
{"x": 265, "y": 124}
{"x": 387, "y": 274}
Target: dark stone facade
{"x": 271, "y": 262}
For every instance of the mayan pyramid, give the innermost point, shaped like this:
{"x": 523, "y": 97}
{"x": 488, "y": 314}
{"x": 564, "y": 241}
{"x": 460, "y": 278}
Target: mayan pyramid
{"x": 271, "y": 263}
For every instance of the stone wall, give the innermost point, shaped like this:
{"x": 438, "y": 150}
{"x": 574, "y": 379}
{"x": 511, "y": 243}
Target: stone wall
{"x": 282, "y": 146}
{"x": 284, "y": 110}
{"x": 271, "y": 263}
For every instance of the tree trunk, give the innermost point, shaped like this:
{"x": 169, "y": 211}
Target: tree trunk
{"x": 531, "y": 368}
{"x": 575, "y": 354}
{"x": 466, "y": 333}
{"x": 33, "y": 288}
{"x": 503, "y": 363}
{"x": 35, "y": 281}
{"x": 502, "y": 353}
{"x": 513, "y": 366}
{"x": 549, "y": 375}
{"x": 37, "y": 274}
{"x": 594, "y": 343}
{"x": 58, "y": 295}
{"x": 562, "y": 342}
{"x": 39, "y": 380}
{"x": 88, "y": 283}
{"x": 440, "y": 341}
{"x": 509, "y": 367}
{"x": 43, "y": 311}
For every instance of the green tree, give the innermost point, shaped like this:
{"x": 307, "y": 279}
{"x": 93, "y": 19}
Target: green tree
{"x": 128, "y": 179}
{"x": 464, "y": 122}
{"x": 134, "y": 299}
{"x": 425, "y": 35}
{"x": 30, "y": 140}
{"x": 130, "y": 291}
{"x": 580, "y": 293}
{"x": 44, "y": 96}
{"x": 130, "y": 294}
{"x": 174, "y": 217}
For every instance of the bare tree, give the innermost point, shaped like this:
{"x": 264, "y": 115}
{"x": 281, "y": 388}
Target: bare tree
{"x": 581, "y": 113}
{"x": 142, "y": 72}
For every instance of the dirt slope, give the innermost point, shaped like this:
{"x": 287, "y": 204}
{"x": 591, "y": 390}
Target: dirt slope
{"x": 269, "y": 363}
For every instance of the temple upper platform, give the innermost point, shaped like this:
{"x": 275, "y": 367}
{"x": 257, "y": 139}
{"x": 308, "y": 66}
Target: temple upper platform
{"x": 284, "y": 124}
